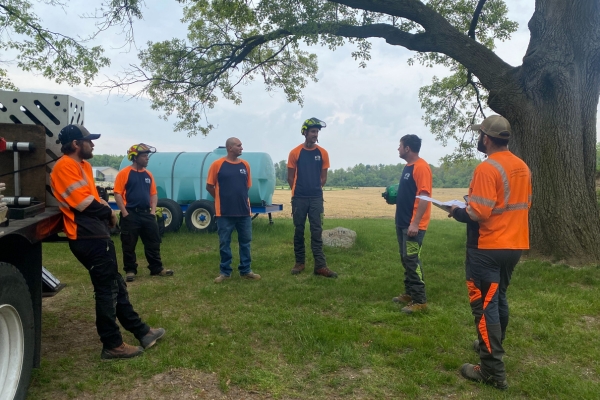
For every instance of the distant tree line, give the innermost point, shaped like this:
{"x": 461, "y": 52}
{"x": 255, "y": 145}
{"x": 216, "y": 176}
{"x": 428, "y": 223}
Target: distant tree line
{"x": 105, "y": 160}
{"x": 457, "y": 175}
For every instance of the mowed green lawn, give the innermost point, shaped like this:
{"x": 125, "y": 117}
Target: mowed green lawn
{"x": 308, "y": 337}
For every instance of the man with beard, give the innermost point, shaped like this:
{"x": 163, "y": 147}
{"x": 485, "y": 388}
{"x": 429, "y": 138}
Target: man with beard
{"x": 497, "y": 232}
{"x": 136, "y": 197}
{"x": 412, "y": 219}
{"x": 307, "y": 174}
{"x": 86, "y": 222}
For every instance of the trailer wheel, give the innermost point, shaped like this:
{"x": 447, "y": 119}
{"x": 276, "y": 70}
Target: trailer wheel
{"x": 16, "y": 334}
{"x": 173, "y": 214}
{"x": 200, "y": 216}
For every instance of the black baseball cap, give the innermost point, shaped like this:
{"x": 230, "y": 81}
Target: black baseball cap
{"x": 75, "y": 132}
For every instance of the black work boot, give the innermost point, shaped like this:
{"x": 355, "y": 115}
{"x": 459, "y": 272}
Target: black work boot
{"x": 474, "y": 373}
{"x": 151, "y": 337}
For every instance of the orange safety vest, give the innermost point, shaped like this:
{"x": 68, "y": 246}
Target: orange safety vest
{"x": 499, "y": 200}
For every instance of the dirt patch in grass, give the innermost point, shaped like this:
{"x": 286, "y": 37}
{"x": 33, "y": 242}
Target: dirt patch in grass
{"x": 362, "y": 203}
{"x": 182, "y": 384}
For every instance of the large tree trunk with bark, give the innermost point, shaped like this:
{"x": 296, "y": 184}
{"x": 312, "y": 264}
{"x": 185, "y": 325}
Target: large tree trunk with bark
{"x": 553, "y": 119}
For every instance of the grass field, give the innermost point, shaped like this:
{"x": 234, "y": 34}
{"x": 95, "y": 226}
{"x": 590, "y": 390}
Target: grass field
{"x": 303, "y": 337}
{"x": 363, "y": 203}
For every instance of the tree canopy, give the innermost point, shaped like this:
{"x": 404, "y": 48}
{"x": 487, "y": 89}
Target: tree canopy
{"x": 54, "y": 55}
{"x": 233, "y": 42}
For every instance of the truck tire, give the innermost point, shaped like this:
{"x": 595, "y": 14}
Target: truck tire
{"x": 17, "y": 335}
{"x": 200, "y": 216}
{"x": 173, "y": 213}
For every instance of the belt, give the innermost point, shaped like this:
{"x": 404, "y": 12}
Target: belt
{"x": 139, "y": 210}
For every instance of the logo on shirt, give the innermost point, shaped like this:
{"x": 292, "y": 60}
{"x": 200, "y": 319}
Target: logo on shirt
{"x": 243, "y": 171}
{"x": 407, "y": 176}
{"x": 148, "y": 180}
{"x": 317, "y": 158}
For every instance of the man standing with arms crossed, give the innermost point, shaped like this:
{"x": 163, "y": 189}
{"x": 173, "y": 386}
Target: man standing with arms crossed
{"x": 86, "y": 222}
{"x": 136, "y": 197}
{"x": 228, "y": 182}
{"x": 307, "y": 174}
{"x": 412, "y": 219}
{"x": 497, "y": 218}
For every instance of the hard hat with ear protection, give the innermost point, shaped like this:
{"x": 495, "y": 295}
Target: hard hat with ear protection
{"x": 312, "y": 123}
{"x": 138, "y": 149}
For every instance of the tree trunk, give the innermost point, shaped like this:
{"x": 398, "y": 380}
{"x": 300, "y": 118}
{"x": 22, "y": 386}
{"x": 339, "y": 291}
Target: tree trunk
{"x": 553, "y": 120}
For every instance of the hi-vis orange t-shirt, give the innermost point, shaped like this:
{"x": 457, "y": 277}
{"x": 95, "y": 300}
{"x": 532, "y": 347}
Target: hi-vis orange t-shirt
{"x": 73, "y": 187}
{"x": 499, "y": 201}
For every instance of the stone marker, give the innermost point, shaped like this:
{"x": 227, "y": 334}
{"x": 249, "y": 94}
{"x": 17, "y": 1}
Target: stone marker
{"x": 339, "y": 237}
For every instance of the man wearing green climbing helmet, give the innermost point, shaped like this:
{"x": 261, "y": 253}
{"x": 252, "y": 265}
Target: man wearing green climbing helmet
{"x": 307, "y": 174}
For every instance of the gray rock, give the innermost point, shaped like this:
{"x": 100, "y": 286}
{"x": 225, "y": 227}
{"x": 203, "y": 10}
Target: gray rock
{"x": 339, "y": 237}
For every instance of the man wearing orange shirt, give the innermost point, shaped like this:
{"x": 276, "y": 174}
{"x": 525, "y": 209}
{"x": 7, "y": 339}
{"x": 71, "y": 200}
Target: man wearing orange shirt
{"x": 228, "y": 181}
{"x": 307, "y": 174}
{"x": 412, "y": 219}
{"x": 497, "y": 233}
{"x": 86, "y": 222}
{"x": 136, "y": 196}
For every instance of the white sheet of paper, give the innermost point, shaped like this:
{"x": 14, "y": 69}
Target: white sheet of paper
{"x": 444, "y": 204}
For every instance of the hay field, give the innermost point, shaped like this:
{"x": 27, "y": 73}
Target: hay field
{"x": 362, "y": 203}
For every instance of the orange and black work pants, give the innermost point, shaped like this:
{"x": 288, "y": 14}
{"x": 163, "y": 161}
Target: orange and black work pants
{"x": 488, "y": 274}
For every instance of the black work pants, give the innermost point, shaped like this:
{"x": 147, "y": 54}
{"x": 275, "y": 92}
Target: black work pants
{"x": 98, "y": 256}
{"x": 140, "y": 224}
{"x": 488, "y": 274}
{"x": 311, "y": 207}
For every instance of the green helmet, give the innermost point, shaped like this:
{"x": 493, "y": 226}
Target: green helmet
{"x": 312, "y": 123}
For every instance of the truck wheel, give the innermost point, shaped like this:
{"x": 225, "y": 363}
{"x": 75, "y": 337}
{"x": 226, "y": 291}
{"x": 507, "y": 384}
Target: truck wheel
{"x": 16, "y": 334}
{"x": 200, "y": 216}
{"x": 173, "y": 214}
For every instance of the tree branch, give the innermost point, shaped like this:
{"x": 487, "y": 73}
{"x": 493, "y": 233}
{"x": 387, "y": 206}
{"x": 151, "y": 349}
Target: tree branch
{"x": 475, "y": 19}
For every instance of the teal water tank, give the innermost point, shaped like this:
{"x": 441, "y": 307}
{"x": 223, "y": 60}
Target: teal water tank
{"x": 181, "y": 176}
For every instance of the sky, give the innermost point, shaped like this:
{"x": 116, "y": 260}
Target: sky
{"x": 367, "y": 111}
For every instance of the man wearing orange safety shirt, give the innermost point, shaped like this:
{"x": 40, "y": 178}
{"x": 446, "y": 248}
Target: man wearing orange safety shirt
{"x": 497, "y": 232}
{"x": 86, "y": 222}
{"x": 412, "y": 219}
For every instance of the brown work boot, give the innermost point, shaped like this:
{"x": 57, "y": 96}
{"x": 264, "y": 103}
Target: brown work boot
{"x": 326, "y": 272}
{"x": 151, "y": 337}
{"x": 402, "y": 298}
{"x": 251, "y": 276}
{"x": 164, "y": 272}
{"x": 298, "y": 267}
{"x": 474, "y": 373}
{"x": 414, "y": 307}
{"x": 221, "y": 278}
{"x": 130, "y": 277}
{"x": 123, "y": 351}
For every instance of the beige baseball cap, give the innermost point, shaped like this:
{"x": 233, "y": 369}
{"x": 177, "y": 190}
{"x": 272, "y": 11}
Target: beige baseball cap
{"x": 494, "y": 126}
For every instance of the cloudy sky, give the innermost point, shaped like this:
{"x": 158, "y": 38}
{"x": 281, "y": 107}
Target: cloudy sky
{"x": 366, "y": 110}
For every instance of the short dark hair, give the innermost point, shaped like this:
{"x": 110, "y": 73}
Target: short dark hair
{"x": 67, "y": 148}
{"x": 412, "y": 141}
{"x": 499, "y": 142}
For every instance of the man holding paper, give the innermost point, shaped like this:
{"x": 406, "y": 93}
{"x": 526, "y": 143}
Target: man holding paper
{"x": 412, "y": 219}
{"x": 497, "y": 232}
